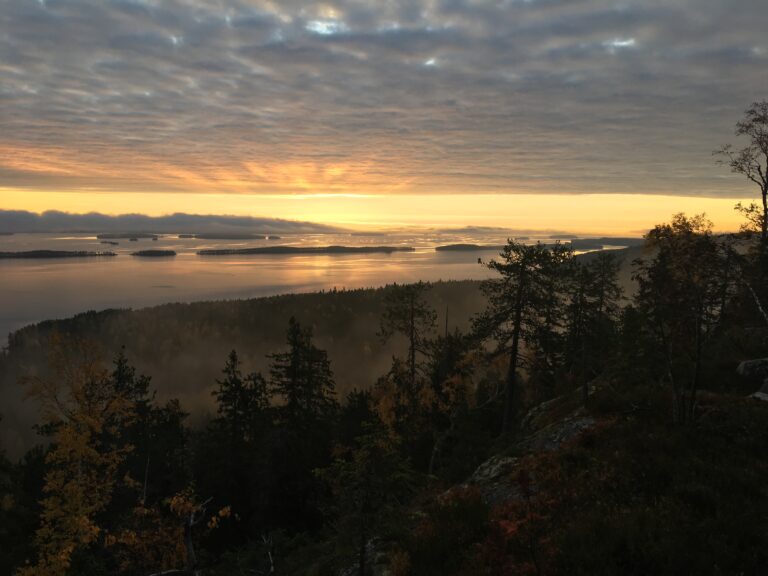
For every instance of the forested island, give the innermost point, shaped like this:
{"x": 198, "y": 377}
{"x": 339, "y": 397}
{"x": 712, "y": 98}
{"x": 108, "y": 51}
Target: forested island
{"x": 154, "y": 253}
{"x": 54, "y": 254}
{"x": 306, "y": 250}
{"x": 575, "y": 243}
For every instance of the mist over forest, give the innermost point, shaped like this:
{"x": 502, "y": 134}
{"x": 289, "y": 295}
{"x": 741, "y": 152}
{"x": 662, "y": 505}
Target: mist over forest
{"x": 184, "y": 346}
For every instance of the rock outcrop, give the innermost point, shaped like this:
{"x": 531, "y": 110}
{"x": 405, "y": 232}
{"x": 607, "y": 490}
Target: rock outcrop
{"x": 546, "y": 427}
{"x": 756, "y": 371}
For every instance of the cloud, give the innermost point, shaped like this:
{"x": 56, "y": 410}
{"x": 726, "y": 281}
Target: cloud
{"x": 378, "y": 97}
{"x": 54, "y": 221}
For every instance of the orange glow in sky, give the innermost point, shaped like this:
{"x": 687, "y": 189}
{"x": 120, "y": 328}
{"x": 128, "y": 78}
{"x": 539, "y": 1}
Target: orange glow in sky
{"x": 613, "y": 214}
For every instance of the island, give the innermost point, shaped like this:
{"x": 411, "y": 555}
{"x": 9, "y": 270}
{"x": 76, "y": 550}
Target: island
{"x": 305, "y": 250}
{"x": 154, "y": 253}
{"x": 110, "y": 242}
{"x": 54, "y": 254}
{"x": 468, "y": 247}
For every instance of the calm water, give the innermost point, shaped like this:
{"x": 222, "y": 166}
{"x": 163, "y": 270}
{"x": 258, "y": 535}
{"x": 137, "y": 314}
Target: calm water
{"x": 35, "y": 290}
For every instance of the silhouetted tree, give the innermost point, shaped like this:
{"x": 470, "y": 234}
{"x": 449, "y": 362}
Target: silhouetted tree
{"x": 406, "y": 312}
{"x": 752, "y": 162}
{"x": 520, "y": 304}
{"x": 592, "y": 316}
{"x": 301, "y": 377}
{"x": 370, "y": 483}
{"x": 683, "y": 291}
{"x": 232, "y": 465}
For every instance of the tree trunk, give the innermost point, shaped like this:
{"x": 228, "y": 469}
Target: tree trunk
{"x": 362, "y": 556}
{"x": 412, "y": 349}
{"x": 691, "y": 408}
{"x": 584, "y": 379}
{"x": 189, "y": 545}
{"x": 764, "y": 230}
{"x": 509, "y": 388}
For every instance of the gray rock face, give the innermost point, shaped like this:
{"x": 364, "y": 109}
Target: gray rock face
{"x": 556, "y": 434}
{"x": 495, "y": 477}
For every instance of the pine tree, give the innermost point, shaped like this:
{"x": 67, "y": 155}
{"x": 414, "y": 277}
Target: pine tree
{"x": 524, "y": 303}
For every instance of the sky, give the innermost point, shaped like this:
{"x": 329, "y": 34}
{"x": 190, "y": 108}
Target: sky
{"x": 586, "y": 115}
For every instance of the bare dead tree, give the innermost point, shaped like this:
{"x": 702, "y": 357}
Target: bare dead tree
{"x": 752, "y": 162}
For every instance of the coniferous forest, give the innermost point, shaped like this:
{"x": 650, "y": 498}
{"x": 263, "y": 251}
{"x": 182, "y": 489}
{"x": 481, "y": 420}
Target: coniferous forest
{"x": 576, "y": 424}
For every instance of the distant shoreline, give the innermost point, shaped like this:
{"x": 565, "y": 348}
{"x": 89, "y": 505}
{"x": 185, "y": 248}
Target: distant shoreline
{"x": 53, "y": 254}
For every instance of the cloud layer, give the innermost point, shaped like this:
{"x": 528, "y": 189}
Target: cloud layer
{"x": 55, "y": 221}
{"x": 370, "y": 96}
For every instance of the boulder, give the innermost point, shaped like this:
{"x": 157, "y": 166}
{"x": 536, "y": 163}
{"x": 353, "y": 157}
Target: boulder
{"x": 494, "y": 479}
{"x": 754, "y": 370}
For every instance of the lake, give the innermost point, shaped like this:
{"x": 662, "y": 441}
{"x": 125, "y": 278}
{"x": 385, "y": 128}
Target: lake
{"x": 32, "y": 290}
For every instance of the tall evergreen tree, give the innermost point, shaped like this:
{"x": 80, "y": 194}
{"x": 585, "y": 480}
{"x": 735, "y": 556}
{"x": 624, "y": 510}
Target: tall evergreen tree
{"x": 231, "y": 465}
{"x": 521, "y": 305}
{"x": 302, "y": 378}
{"x": 592, "y": 316}
{"x": 407, "y": 313}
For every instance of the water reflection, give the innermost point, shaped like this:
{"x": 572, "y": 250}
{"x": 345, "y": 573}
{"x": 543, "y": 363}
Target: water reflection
{"x": 35, "y": 290}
